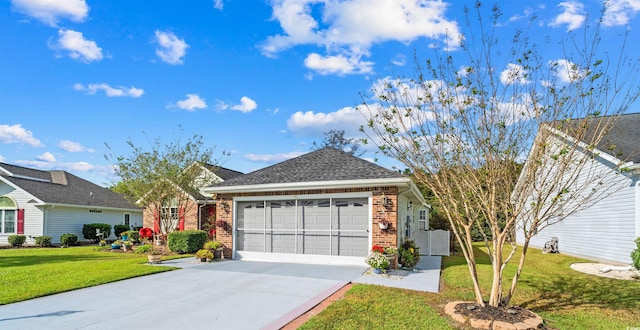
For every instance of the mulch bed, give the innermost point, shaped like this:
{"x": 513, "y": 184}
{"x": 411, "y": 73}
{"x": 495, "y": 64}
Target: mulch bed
{"x": 510, "y": 315}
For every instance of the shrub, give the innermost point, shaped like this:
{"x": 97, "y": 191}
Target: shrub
{"x": 134, "y": 236}
{"x": 186, "y": 241}
{"x": 213, "y": 245}
{"x": 43, "y": 241}
{"x": 635, "y": 255}
{"x": 204, "y": 254}
{"x": 377, "y": 260}
{"x": 119, "y": 229}
{"x": 17, "y": 240}
{"x": 89, "y": 231}
{"x": 68, "y": 239}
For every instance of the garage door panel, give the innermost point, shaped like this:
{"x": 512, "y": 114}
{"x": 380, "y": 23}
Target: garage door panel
{"x": 250, "y": 241}
{"x": 314, "y": 243}
{"x": 350, "y": 245}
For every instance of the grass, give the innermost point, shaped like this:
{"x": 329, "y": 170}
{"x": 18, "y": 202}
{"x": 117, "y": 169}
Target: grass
{"x": 35, "y": 272}
{"x": 565, "y": 298}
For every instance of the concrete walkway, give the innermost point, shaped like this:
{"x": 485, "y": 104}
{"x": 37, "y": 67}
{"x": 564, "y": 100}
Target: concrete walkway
{"x": 424, "y": 277}
{"x": 223, "y": 295}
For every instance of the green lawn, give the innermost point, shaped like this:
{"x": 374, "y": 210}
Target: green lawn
{"x": 35, "y": 272}
{"x": 565, "y": 298}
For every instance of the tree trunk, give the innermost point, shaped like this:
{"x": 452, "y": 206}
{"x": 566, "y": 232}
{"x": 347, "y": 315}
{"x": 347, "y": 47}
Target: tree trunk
{"x": 516, "y": 277}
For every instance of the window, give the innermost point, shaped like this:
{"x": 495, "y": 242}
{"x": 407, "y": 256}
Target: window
{"x": 324, "y": 203}
{"x": 342, "y": 203}
{"x": 8, "y": 210}
{"x": 127, "y": 219}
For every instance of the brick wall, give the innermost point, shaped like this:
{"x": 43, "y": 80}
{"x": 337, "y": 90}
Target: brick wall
{"x": 190, "y": 217}
{"x": 388, "y": 211}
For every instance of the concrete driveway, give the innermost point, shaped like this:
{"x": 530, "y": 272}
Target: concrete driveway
{"x": 223, "y": 295}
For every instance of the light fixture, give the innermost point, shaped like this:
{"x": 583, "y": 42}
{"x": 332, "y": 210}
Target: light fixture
{"x": 410, "y": 205}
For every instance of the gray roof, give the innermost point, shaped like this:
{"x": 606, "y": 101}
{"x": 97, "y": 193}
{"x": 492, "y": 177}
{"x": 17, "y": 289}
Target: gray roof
{"x": 326, "y": 164}
{"x": 71, "y": 191}
{"x": 623, "y": 139}
{"x": 224, "y": 173}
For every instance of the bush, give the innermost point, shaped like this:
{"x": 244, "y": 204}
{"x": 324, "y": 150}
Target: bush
{"x": 17, "y": 240}
{"x": 635, "y": 255}
{"x": 43, "y": 241}
{"x": 134, "y": 236}
{"x": 89, "y": 231}
{"x": 69, "y": 239}
{"x": 119, "y": 229}
{"x": 213, "y": 245}
{"x": 186, "y": 241}
{"x": 204, "y": 254}
{"x": 377, "y": 260}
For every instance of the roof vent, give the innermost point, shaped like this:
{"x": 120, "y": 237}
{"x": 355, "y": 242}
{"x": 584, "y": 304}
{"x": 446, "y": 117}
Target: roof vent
{"x": 59, "y": 177}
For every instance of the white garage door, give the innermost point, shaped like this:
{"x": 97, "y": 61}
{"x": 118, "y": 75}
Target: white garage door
{"x": 302, "y": 228}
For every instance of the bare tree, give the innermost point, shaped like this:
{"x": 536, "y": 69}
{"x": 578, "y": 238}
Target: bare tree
{"x": 164, "y": 178}
{"x": 466, "y": 123}
{"x": 336, "y": 139}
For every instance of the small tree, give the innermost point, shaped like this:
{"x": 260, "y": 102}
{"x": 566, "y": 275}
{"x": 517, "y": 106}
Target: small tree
{"x": 336, "y": 139}
{"x": 465, "y": 124}
{"x": 163, "y": 178}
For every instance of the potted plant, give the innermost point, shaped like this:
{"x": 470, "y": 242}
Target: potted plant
{"x": 408, "y": 254}
{"x": 154, "y": 255}
{"x": 384, "y": 224}
{"x": 102, "y": 242}
{"x": 204, "y": 255}
{"x": 216, "y": 247}
{"x": 127, "y": 245}
{"x": 378, "y": 262}
{"x": 116, "y": 245}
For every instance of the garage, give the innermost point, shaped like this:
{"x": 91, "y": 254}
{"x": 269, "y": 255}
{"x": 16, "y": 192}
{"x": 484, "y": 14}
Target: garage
{"x": 331, "y": 229}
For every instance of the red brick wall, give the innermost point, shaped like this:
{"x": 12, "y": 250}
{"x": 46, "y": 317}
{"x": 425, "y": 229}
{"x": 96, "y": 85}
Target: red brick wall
{"x": 190, "y": 217}
{"x": 389, "y": 211}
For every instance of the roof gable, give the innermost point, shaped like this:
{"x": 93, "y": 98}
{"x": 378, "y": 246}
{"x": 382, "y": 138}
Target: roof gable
{"x": 326, "y": 164}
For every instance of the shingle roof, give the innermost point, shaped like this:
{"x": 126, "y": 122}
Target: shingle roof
{"x": 77, "y": 191}
{"x": 326, "y": 164}
{"x": 224, "y": 173}
{"x": 623, "y": 139}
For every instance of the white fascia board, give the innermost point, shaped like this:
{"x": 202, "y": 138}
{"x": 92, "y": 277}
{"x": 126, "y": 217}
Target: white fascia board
{"x": 93, "y": 207}
{"x": 38, "y": 201}
{"x": 604, "y": 155}
{"x": 399, "y": 182}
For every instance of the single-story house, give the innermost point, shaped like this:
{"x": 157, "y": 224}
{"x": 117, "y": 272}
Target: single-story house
{"x": 325, "y": 206}
{"x": 51, "y": 203}
{"x": 606, "y": 230}
{"x": 198, "y": 208}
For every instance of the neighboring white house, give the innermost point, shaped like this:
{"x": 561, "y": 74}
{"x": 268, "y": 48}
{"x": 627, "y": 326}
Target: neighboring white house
{"x": 606, "y": 230}
{"x": 51, "y": 203}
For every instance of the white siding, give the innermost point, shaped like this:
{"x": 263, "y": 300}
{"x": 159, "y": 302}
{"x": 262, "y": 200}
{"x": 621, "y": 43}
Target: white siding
{"x": 62, "y": 220}
{"x": 605, "y": 231}
{"x": 32, "y": 214}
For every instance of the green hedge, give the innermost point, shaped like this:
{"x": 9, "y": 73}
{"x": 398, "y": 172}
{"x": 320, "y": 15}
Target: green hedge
{"x": 17, "y": 240}
{"x": 89, "y": 231}
{"x": 119, "y": 229}
{"x": 68, "y": 239}
{"x": 43, "y": 241}
{"x": 187, "y": 241}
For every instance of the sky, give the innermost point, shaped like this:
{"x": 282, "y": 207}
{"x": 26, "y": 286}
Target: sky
{"x": 261, "y": 80}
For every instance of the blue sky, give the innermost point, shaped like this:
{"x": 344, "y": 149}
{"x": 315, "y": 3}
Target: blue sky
{"x": 259, "y": 79}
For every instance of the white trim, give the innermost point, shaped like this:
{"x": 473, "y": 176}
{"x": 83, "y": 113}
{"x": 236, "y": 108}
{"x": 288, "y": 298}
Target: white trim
{"x": 604, "y": 155}
{"x": 311, "y": 196}
{"x": 309, "y": 185}
{"x": 299, "y": 258}
{"x": 95, "y": 207}
{"x": 637, "y": 208}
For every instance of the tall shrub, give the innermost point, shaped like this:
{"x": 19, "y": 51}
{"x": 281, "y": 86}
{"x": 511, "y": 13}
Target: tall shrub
{"x": 635, "y": 255}
{"x": 187, "y": 241}
{"x": 68, "y": 239}
{"x": 89, "y": 231}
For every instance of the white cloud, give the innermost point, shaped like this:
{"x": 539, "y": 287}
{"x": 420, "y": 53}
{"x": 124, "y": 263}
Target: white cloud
{"x": 46, "y": 157}
{"x": 566, "y": 71}
{"x": 619, "y": 12}
{"x": 51, "y": 11}
{"x": 71, "y": 146}
{"x": 217, "y": 4}
{"x": 513, "y": 74}
{"x": 171, "y": 48}
{"x": 110, "y": 91}
{"x": 348, "y": 119}
{"x": 246, "y": 105}
{"x": 348, "y": 29}
{"x": 79, "y": 48}
{"x": 338, "y": 64}
{"x": 17, "y": 134}
{"x": 526, "y": 14}
{"x": 67, "y": 166}
{"x": 573, "y": 15}
{"x": 192, "y": 103}
{"x": 399, "y": 60}
{"x": 272, "y": 158}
